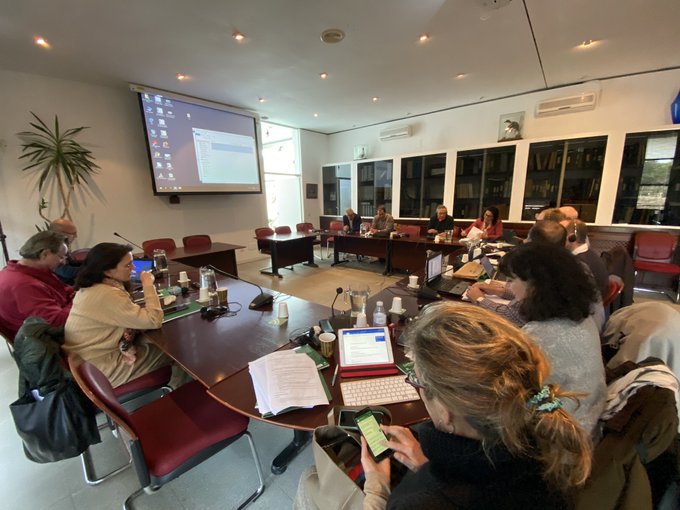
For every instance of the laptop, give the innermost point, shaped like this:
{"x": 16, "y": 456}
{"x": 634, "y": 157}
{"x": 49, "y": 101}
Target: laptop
{"x": 434, "y": 280}
{"x": 139, "y": 266}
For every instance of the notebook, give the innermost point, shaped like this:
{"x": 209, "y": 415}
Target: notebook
{"x": 139, "y": 266}
{"x": 434, "y": 280}
{"x": 365, "y": 352}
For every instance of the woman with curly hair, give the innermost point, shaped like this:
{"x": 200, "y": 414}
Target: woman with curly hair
{"x": 554, "y": 297}
{"x": 499, "y": 435}
{"x": 490, "y": 224}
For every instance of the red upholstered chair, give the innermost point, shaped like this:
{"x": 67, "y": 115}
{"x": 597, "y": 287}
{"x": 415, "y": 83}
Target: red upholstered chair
{"x": 653, "y": 253}
{"x": 163, "y": 243}
{"x": 412, "y": 231}
{"x": 197, "y": 241}
{"x": 613, "y": 291}
{"x": 282, "y": 230}
{"x": 80, "y": 255}
{"x": 156, "y": 380}
{"x": 335, "y": 226}
{"x": 304, "y": 227}
{"x": 170, "y": 435}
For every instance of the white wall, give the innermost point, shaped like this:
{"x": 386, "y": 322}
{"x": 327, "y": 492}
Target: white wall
{"x": 637, "y": 103}
{"x": 313, "y": 148}
{"x": 124, "y": 200}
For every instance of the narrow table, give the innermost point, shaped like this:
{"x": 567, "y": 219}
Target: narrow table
{"x": 289, "y": 249}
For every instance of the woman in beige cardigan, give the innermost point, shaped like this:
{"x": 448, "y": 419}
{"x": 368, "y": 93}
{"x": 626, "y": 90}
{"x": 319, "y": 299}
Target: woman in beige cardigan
{"x": 104, "y": 323}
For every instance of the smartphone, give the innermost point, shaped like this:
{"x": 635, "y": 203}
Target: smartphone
{"x": 375, "y": 438}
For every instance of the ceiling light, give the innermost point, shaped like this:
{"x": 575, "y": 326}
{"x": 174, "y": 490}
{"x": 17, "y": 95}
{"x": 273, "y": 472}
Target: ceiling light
{"x": 181, "y": 76}
{"x": 332, "y": 35}
{"x": 588, "y": 44}
{"x": 40, "y": 41}
{"x": 261, "y": 99}
{"x": 423, "y": 37}
{"x": 375, "y": 99}
{"x": 238, "y": 36}
{"x": 323, "y": 76}
{"x": 460, "y": 76}
{"x": 316, "y": 114}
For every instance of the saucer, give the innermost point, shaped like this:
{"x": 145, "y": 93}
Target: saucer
{"x": 183, "y": 283}
{"x": 398, "y": 312}
{"x": 414, "y": 287}
{"x": 203, "y": 301}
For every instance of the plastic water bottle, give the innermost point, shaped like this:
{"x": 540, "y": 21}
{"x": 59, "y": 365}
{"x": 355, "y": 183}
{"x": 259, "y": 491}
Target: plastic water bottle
{"x": 379, "y": 316}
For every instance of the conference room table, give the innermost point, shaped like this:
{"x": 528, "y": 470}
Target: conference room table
{"x": 288, "y": 249}
{"x": 216, "y": 353}
{"x": 401, "y": 253}
{"x": 220, "y": 255}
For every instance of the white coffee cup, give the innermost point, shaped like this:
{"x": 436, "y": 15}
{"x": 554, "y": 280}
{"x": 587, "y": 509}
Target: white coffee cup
{"x": 413, "y": 281}
{"x": 183, "y": 276}
{"x": 361, "y": 320}
{"x": 327, "y": 341}
{"x": 204, "y": 295}
{"x": 396, "y": 305}
{"x": 283, "y": 310}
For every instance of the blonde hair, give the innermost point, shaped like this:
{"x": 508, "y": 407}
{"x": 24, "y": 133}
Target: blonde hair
{"x": 484, "y": 368}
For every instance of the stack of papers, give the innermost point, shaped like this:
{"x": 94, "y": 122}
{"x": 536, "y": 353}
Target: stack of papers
{"x": 285, "y": 380}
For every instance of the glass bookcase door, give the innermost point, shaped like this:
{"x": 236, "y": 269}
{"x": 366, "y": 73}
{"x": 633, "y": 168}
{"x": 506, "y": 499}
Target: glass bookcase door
{"x": 374, "y": 187}
{"x": 564, "y": 172}
{"x": 422, "y": 185}
{"x": 336, "y": 189}
{"x": 483, "y": 179}
{"x": 649, "y": 182}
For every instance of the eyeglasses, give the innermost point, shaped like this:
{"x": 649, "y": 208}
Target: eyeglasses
{"x": 413, "y": 380}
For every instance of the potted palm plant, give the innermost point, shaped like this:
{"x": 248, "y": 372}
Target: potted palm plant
{"x": 59, "y": 160}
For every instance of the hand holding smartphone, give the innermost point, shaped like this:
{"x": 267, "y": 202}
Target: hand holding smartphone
{"x": 375, "y": 438}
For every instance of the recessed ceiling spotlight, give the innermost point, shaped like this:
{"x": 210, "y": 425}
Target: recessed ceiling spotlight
{"x": 423, "y": 37}
{"x": 261, "y": 99}
{"x": 460, "y": 76}
{"x": 40, "y": 41}
{"x": 316, "y": 114}
{"x": 588, "y": 44}
{"x": 323, "y": 76}
{"x": 181, "y": 76}
{"x": 332, "y": 35}
{"x": 375, "y": 99}
{"x": 238, "y": 36}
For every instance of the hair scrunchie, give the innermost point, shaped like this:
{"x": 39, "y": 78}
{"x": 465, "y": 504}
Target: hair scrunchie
{"x": 545, "y": 401}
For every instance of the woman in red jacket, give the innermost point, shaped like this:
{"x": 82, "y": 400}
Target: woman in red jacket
{"x": 489, "y": 224}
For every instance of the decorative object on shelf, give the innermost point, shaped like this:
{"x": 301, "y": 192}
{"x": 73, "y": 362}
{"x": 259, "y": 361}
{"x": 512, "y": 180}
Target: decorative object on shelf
{"x": 675, "y": 109}
{"x": 61, "y": 163}
{"x": 510, "y": 126}
{"x": 312, "y": 190}
{"x": 360, "y": 152}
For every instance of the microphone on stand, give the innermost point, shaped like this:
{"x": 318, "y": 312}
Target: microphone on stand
{"x": 263, "y": 299}
{"x": 338, "y": 291}
{"x": 128, "y": 241}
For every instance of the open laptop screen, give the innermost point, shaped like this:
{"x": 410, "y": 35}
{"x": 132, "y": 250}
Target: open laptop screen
{"x": 433, "y": 266}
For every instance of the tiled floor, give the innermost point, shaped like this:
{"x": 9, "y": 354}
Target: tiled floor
{"x": 218, "y": 483}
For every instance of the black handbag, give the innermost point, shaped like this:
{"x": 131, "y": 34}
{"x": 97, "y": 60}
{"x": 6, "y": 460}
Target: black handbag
{"x": 60, "y": 426}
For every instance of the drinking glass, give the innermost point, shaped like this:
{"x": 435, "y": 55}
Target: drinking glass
{"x": 160, "y": 264}
{"x": 358, "y": 295}
{"x": 209, "y": 282}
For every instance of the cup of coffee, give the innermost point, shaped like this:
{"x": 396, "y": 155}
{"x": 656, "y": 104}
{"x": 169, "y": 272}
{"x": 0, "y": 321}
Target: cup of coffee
{"x": 413, "y": 281}
{"x": 283, "y": 310}
{"x": 222, "y": 296}
{"x": 327, "y": 341}
{"x": 396, "y": 305}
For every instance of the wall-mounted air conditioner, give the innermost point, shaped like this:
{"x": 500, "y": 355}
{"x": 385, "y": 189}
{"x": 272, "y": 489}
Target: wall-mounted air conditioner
{"x": 582, "y": 102}
{"x": 395, "y": 132}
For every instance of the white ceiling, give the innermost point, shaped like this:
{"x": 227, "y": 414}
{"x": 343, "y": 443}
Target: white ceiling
{"x": 524, "y": 46}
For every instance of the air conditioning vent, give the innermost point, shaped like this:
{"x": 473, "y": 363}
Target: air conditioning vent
{"x": 395, "y": 132}
{"x": 582, "y": 102}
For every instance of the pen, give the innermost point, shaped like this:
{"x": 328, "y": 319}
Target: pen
{"x": 335, "y": 374}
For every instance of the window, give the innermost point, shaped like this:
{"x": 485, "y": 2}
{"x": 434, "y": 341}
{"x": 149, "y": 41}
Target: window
{"x": 649, "y": 182}
{"x": 283, "y": 187}
{"x": 422, "y": 185}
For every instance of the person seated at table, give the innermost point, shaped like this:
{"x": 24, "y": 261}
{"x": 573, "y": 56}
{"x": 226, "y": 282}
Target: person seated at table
{"x": 577, "y": 244}
{"x": 440, "y": 222}
{"x": 104, "y": 325}
{"x": 28, "y": 286}
{"x": 351, "y": 221}
{"x": 554, "y": 296}
{"x": 67, "y": 270}
{"x": 490, "y": 225}
{"x": 499, "y": 435}
{"x": 383, "y": 223}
